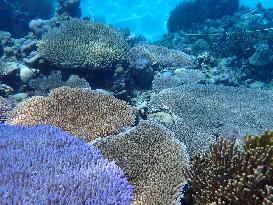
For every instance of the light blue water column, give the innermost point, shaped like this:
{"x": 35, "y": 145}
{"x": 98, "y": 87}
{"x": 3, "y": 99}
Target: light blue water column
{"x": 146, "y": 17}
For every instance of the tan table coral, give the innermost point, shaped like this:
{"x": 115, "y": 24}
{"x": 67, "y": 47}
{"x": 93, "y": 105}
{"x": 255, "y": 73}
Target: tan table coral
{"x": 84, "y": 113}
{"x": 152, "y": 159}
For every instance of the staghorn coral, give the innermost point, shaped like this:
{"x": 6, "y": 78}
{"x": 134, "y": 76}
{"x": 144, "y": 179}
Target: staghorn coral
{"x": 159, "y": 55}
{"x": 204, "y": 112}
{"x": 84, "y": 113}
{"x": 83, "y": 44}
{"x": 224, "y": 175}
{"x": 264, "y": 140}
{"x": 5, "y": 107}
{"x": 151, "y": 158}
{"x": 59, "y": 169}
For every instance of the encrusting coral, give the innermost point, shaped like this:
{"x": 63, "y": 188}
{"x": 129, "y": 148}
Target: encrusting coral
{"x": 151, "y": 158}
{"x": 226, "y": 175}
{"x": 44, "y": 165}
{"x": 84, "y": 113}
{"x": 83, "y": 44}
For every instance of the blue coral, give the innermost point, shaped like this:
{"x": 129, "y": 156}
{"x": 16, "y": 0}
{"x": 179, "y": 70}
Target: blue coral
{"x": 44, "y": 165}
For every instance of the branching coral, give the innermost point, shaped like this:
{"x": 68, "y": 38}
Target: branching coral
{"x": 43, "y": 165}
{"x": 204, "y": 112}
{"x": 83, "y": 44}
{"x": 151, "y": 158}
{"x": 262, "y": 141}
{"x": 84, "y": 113}
{"x": 5, "y": 107}
{"x": 227, "y": 176}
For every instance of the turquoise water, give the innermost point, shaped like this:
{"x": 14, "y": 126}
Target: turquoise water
{"x": 253, "y": 3}
{"x": 143, "y": 17}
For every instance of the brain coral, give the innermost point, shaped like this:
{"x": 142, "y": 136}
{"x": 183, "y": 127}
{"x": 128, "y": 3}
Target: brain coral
{"x": 151, "y": 158}
{"x": 43, "y": 165}
{"x": 204, "y": 112}
{"x": 83, "y": 44}
{"x": 84, "y": 113}
{"x": 159, "y": 55}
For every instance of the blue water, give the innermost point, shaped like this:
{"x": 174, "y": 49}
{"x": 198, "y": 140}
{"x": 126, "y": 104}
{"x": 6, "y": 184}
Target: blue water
{"x": 145, "y": 17}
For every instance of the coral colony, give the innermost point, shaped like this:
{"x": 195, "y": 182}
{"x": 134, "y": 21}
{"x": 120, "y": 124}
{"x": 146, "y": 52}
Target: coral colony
{"x": 100, "y": 105}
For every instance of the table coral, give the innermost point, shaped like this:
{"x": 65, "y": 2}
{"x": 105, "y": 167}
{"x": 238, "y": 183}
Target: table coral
{"x": 83, "y": 44}
{"x": 44, "y": 165}
{"x": 84, "y": 113}
{"x": 151, "y": 158}
{"x": 204, "y": 112}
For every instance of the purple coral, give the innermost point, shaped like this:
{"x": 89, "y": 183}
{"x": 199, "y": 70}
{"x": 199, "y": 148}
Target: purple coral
{"x": 44, "y": 165}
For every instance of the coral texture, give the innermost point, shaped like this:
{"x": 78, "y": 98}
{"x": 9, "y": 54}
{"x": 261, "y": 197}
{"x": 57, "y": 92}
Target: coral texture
{"x": 227, "y": 176}
{"x": 203, "y": 112}
{"x": 7, "y": 68}
{"x": 84, "y": 113}
{"x": 5, "y": 107}
{"x": 43, "y": 165}
{"x": 151, "y": 158}
{"x": 39, "y": 26}
{"x": 168, "y": 79}
{"x": 42, "y": 85}
{"x": 159, "y": 55}
{"x": 70, "y": 7}
{"x": 191, "y": 13}
{"x": 264, "y": 140}
{"x": 262, "y": 56}
{"x": 83, "y": 44}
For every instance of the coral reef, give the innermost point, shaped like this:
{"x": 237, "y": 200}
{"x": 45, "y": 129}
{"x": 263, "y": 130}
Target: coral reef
{"x": 262, "y": 56}
{"x": 195, "y": 12}
{"x": 7, "y": 68}
{"x": 151, "y": 158}
{"x": 5, "y": 107}
{"x": 16, "y": 14}
{"x": 83, "y": 44}
{"x": 43, "y": 85}
{"x": 160, "y": 56}
{"x": 204, "y": 112}
{"x": 169, "y": 79}
{"x": 70, "y": 8}
{"x": 59, "y": 169}
{"x": 263, "y": 141}
{"x": 84, "y": 113}
{"x": 225, "y": 175}
{"x": 142, "y": 73}
{"x": 39, "y": 26}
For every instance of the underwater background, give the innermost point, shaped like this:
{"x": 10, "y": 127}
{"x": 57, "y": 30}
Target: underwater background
{"x": 115, "y": 102}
